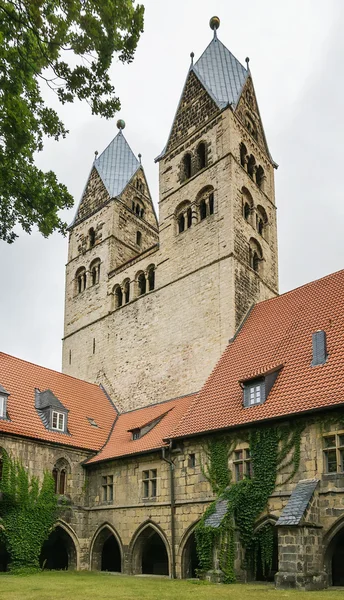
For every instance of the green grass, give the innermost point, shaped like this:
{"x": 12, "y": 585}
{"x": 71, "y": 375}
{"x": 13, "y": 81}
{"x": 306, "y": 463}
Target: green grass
{"x": 103, "y": 586}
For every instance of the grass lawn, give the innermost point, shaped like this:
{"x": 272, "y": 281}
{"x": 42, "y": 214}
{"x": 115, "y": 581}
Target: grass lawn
{"x": 102, "y": 586}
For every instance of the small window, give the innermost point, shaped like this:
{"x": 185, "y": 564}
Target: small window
{"x": 94, "y": 346}
{"x": 260, "y": 176}
{"x": 95, "y": 271}
{"x": 142, "y": 284}
{"x": 187, "y": 166}
{"x": 70, "y": 357}
{"x": 181, "y": 223}
{"x": 201, "y": 156}
{"x": 151, "y": 279}
{"x": 254, "y": 392}
{"x": 211, "y": 204}
{"x": 62, "y": 484}
{"x": 334, "y": 453}
{"x": 192, "y": 461}
{"x": 126, "y": 288}
{"x": 247, "y": 211}
{"x": 149, "y": 481}
{"x": 189, "y": 217}
{"x": 81, "y": 280}
{"x": 107, "y": 487}
{"x": 92, "y": 237}
{"x": 202, "y": 210}
{"x": 2, "y": 407}
{"x": 55, "y": 478}
{"x": 136, "y": 434}
{"x": 242, "y": 464}
{"x": 251, "y": 166}
{"x": 138, "y": 238}
{"x": 243, "y": 155}
{"x": 118, "y": 297}
{"x": 58, "y": 421}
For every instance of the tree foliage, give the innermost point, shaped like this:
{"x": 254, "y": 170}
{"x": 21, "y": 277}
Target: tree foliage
{"x": 28, "y": 513}
{"x": 67, "y": 45}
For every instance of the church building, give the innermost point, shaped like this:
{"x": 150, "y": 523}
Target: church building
{"x": 183, "y": 369}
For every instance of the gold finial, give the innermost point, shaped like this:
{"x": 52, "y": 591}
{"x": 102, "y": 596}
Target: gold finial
{"x": 120, "y": 124}
{"x": 214, "y": 24}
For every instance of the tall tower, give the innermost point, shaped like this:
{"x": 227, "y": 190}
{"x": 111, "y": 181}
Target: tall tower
{"x": 215, "y": 256}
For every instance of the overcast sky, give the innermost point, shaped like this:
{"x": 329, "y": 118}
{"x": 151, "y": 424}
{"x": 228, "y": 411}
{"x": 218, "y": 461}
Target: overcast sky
{"x": 296, "y": 58}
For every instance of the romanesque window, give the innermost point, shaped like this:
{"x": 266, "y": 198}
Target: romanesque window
{"x": 261, "y": 221}
{"x": 247, "y": 204}
{"x": 181, "y": 223}
{"x": 60, "y": 476}
{"x": 189, "y": 217}
{"x": 251, "y": 166}
{"x": 95, "y": 271}
{"x": 256, "y": 255}
{"x": 91, "y": 237}
{"x": 80, "y": 278}
{"x": 205, "y": 202}
{"x": 107, "y": 488}
{"x": 118, "y": 294}
{"x": 138, "y": 238}
{"x": 126, "y": 290}
{"x": 183, "y": 215}
{"x": 211, "y": 203}
{"x": 260, "y": 176}
{"x": 187, "y": 161}
{"x": 242, "y": 464}
{"x": 201, "y": 156}
{"x": 334, "y": 453}
{"x": 141, "y": 284}
{"x": 151, "y": 277}
{"x": 202, "y": 210}
{"x": 149, "y": 482}
{"x": 243, "y": 155}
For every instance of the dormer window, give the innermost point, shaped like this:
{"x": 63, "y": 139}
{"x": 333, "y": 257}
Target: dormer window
{"x": 136, "y": 434}
{"x": 257, "y": 390}
{"x": 3, "y": 402}
{"x": 58, "y": 420}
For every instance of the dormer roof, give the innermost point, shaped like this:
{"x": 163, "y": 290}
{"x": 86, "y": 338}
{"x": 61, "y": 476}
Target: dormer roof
{"x": 222, "y": 75}
{"x": 117, "y": 165}
{"x": 47, "y": 399}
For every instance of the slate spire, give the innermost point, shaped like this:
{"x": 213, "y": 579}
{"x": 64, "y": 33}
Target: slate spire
{"x": 116, "y": 165}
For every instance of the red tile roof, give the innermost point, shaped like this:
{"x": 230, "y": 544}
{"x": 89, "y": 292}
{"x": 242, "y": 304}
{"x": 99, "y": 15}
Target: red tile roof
{"x": 83, "y": 400}
{"x": 121, "y": 441}
{"x": 277, "y": 332}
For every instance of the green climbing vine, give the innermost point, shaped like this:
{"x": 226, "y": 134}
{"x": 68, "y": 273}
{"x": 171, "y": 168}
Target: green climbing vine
{"x": 27, "y": 513}
{"x": 272, "y": 449}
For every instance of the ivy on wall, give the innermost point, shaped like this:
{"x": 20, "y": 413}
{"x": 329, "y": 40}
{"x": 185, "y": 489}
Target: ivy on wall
{"x": 27, "y": 513}
{"x": 272, "y": 449}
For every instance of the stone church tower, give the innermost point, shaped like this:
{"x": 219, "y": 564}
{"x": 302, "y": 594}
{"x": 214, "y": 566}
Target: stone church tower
{"x": 151, "y": 306}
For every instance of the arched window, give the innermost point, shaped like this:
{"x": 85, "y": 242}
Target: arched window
{"x": 151, "y": 277}
{"x": 126, "y": 290}
{"x": 92, "y": 237}
{"x": 201, "y": 156}
{"x": 247, "y": 204}
{"x": 256, "y": 256}
{"x": 142, "y": 213}
{"x": 137, "y": 210}
{"x": 118, "y": 296}
{"x": 187, "y": 166}
{"x": 251, "y": 164}
{"x": 247, "y": 211}
{"x": 189, "y": 217}
{"x": 262, "y": 221}
{"x": 80, "y": 278}
{"x": 60, "y": 476}
{"x": 243, "y": 155}
{"x": 138, "y": 238}
{"x": 202, "y": 209}
{"x": 260, "y": 177}
{"x": 141, "y": 284}
{"x": 181, "y": 223}
{"x": 95, "y": 271}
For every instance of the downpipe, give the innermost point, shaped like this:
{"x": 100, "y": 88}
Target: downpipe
{"x": 173, "y": 515}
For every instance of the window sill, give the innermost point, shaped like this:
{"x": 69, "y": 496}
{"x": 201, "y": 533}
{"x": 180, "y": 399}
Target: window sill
{"x": 152, "y": 499}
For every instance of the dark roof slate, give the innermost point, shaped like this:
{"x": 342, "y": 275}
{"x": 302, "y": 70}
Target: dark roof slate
{"x": 298, "y": 502}
{"x": 216, "y": 518}
{"x": 117, "y": 165}
{"x": 47, "y": 399}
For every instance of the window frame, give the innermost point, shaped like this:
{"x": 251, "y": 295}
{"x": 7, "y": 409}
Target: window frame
{"x": 338, "y": 449}
{"x": 58, "y": 415}
{"x": 254, "y": 393}
{"x": 149, "y": 484}
{"x": 243, "y": 460}
{"x": 3, "y": 406}
{"x": 107, "y": 489}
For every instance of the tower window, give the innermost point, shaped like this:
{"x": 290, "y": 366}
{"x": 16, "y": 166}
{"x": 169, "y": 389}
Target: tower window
{"x": 201, "y": 156}
{"x": 202, "y": 210}
{"x": 118, "y": 297}
{"x": 256, "y": 255}
{"x": 181, "y": 223}
{"x": 211, "y": 203}
{"x": 247, "y": 211}
{"x": 260, "y": 176}
{"x": 187, "y": 166}
{"x": 141, "y": 284}
{"x": 126, "y": 288}
{"x": 151, "y": 278}
{"x": 262, "y": 221}
{"x": 80, "y": 280}
{"x": 189, "y": 217}
{"x": 95, "y": 271}
{"x": 251, "y": 166}
{"x": 92, "y": 237}
{"x": 243, "y": 155}
{"x": 138, "y": 238}
{"x": 94, "y": 346}
{"x": 137, "y": 210}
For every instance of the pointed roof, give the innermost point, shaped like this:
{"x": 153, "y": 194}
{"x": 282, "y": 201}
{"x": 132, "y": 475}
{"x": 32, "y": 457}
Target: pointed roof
{"x": 221, "y": 73}
{"x": 117, "y": 165}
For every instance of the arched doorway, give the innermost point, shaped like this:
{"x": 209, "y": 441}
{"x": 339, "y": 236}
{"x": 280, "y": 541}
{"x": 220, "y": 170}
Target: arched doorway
{"x": 336, "y": 558}
{"x": 262, "y": 572}
{"x": 58, "y": 552}
{"x": 4, "y": 558}
{"x": 149, "y": 555}
{"x": 106, "y": 552}
{"x": 190, "y": 562}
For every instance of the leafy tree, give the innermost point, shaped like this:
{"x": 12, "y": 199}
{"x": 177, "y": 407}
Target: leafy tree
{"x": 27, "y": 511}
{"x": 67, "y": 45}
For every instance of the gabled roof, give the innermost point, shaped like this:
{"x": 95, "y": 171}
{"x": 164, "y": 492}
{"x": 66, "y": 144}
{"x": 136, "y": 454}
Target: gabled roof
{"x": 117, "y": 165}
{"x": 277, "y": 332}
{"x": 121, "y": 441}
{"x": 222, "y": 75}
{"x": 82, "y": 400}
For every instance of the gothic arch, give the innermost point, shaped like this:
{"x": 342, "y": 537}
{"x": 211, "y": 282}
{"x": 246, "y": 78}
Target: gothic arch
{"x": 267, "y": 520}
{"x": 146, "y": 533}
{"x": 187, "y": 553}
{"x": 61, "y": 471}
{"x": 61, "y": 551}
{"x": 102, "y": 536}
{"x": 334, "y": 553}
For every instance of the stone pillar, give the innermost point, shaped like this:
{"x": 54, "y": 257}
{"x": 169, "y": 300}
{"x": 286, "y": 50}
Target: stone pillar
{"x": 300, "y": 558}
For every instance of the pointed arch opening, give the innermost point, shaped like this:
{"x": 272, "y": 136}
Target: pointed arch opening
{"x": 106, "y": 553}
{"x": 190, "y": 562}
{"x": 269, "y": 533}
{"x": 334, "y": 554}
{"x": 61, "y": 473}
{"x": 59, "y": 551}
{"x": 149, "y": 553}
